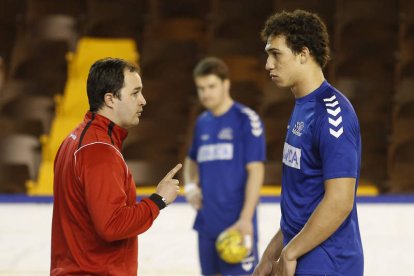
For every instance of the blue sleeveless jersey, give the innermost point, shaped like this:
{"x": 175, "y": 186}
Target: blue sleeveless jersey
{"x": 222, "y": 147}
{"x": 322, "y": 142}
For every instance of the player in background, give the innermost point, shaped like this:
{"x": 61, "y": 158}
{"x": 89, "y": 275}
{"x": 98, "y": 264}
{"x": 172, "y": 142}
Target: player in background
{"x": 224, "y": 169}
{"x": 96, "y": 218}
{"x": 319, "y": 232}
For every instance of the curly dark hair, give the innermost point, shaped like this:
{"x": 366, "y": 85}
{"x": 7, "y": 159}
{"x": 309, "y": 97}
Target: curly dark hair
{"x": 301, "y": 29}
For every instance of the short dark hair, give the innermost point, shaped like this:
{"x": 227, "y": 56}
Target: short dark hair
{"x": 106, "y": 76}
{"x": 211, "y": 66}
{"x": 301, "y": 29}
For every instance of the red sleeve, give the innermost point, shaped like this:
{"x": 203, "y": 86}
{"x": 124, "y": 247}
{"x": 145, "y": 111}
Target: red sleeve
{"x": 103, "y": 175}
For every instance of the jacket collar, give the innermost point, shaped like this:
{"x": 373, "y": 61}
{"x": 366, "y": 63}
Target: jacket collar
{"x": 116, "y": 133}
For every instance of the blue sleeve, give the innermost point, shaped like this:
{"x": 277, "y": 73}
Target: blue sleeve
{"x": 337, "y": 137}
{"x": 254, "y": 144}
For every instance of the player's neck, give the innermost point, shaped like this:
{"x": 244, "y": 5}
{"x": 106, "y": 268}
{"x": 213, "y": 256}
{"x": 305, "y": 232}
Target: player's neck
{"x": 223, "y": 107}
{"x": 308, "y": 83}
{"x": 106, "y": 113}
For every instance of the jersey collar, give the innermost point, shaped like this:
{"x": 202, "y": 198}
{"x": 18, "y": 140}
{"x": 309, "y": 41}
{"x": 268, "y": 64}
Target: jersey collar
{"x": 313, "y": 94}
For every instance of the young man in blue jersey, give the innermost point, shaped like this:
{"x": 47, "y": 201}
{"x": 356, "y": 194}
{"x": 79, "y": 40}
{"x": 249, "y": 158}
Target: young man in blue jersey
{"x": 319, "y": 232}
{"x": 224, "y": 169}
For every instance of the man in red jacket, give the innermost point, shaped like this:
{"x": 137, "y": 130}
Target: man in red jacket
{"x": 96, "y": 218}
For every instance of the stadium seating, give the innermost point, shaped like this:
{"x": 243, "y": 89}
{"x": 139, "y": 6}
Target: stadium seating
{"x": 10, "y": 19}
{"x": 273, "y": 172}
{"x": 115, "y": 19}
{"x": 31, "y": 107}
{"x": 182, "y": 8}
{"x": 401, "y": 168}
{"x": 13, "y": 178}
{"x": 36, "y": 10}
{"x": 55, "y": 27}
{"x": 181, "y": 29}
{"x": 147, "y": 173}
{"x": 21, "y": 149}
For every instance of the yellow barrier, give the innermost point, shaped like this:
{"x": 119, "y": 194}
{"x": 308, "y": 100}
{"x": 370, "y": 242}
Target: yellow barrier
{"x": 363, "y": 190}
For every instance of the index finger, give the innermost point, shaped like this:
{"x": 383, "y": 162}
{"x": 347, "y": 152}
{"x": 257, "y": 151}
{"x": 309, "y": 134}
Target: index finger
{"x": 171, "y": 173}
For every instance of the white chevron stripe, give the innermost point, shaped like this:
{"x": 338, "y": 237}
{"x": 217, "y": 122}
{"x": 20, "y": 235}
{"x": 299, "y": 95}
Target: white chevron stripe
{"x": 336, "y": 134}
{"x": 334, "y": 112}
{"x": 329, "y": 99}
{"x": 255, "y": 124}
{"x": 335, "y": 103}
{"x": 257, "y": 131}
{"x": 336, "y": 122}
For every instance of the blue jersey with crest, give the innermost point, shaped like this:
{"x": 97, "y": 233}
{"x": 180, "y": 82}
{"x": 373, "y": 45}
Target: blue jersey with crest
{"x": 222, "y": 147}
{"x": 322, "y": 142}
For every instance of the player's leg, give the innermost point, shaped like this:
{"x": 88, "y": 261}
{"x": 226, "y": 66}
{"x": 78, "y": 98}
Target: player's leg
{"x": 246, "y": 267}
{"x": 209, "y": 259}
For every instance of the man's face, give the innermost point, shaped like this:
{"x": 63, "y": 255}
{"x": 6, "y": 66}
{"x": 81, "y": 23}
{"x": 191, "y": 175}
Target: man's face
{"x": 282, "y": 63}
{"x": 129, "y": 107}
{"x": 212, "y": 91}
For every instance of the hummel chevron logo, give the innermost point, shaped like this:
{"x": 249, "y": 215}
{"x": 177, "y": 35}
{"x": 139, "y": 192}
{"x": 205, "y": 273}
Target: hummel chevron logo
{"x": 335, "y": 103}
{"x": 336, "y": 133}
{"x": 329, "y": 99}
{"x": 331, "y": 103}
{"x": 334, "y": 112}
{"x": 336, "y": 122}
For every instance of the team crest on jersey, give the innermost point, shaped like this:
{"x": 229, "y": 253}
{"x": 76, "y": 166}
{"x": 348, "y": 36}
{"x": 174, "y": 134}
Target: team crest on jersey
{"x": 291, "y": 156}
{"x": 297, "y": 130}
{"x": 226, "y": 134}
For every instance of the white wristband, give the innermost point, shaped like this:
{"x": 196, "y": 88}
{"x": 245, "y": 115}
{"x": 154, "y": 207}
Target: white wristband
{"x": 190, "y": 187}
{"x": 248, "y": 241}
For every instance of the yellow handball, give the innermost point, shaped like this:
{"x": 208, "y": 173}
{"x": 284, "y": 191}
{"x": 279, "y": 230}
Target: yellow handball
{"x": 230, "y": 247}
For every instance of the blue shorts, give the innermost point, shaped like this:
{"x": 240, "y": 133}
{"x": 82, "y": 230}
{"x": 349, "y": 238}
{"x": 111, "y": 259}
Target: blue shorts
{"x": 212, "y": 264}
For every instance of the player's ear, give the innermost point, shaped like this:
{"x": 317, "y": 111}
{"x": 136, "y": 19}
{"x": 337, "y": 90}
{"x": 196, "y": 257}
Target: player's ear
{"x": 227, "y": 84}
{"x": 109, "y": 100}
{"x": 304, "y": 55}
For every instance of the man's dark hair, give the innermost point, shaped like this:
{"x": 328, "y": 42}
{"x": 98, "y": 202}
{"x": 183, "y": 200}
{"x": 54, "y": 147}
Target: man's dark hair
{"x": 211, "y": 66}
{"x": 106, "y": 76}
{"x": 301, "y": 29}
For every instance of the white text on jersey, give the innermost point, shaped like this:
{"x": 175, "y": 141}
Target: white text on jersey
{"x": 291, "y": 156}
{"x": 222, "y": 151}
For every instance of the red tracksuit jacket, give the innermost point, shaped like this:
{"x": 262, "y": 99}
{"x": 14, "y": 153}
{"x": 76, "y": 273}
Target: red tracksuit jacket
{"x": 96, "y": 218}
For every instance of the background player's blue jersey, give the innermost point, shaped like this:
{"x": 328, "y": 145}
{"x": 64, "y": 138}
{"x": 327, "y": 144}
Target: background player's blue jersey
{"x": 322, "y": 142}
{"x": 222, "y": 147}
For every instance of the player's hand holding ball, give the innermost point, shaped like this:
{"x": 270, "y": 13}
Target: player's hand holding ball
{"x": 232, "y": 246}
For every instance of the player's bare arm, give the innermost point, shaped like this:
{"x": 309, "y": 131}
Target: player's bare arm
{"x": 270, "y": 255}
{"x": 331, "y": 212}
{"x": 191, "y": 179}
{"x": 255, "y": 176}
